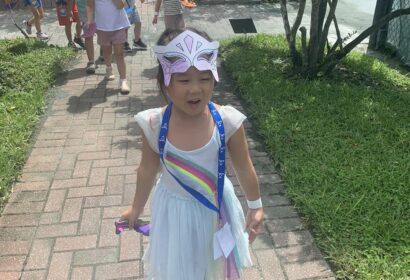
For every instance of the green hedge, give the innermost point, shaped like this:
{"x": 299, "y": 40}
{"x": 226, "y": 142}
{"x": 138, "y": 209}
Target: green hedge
{"x": 27, "y": 69}
{"x": 343, "y": 147}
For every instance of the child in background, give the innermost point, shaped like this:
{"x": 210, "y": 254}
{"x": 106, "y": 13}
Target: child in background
{"x": 88, "y": 25}
{"x": 198, "y": 229}
{"x": 36, "y": 8}
{"x": 173, "y": 14}
{"x": 134, "y": 18}
{"x": 188, "y": 3}
{"x": 112, "y": 26}
{"x": 67, "y": 13}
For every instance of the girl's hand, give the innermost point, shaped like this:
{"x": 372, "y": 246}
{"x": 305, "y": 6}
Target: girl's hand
{"x": 254, "y": 219}
{"x": 131, "y": 215}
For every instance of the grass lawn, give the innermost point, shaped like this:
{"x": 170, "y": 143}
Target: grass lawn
{"x": 27, "y": 69}
{"x": 343, "y": 147}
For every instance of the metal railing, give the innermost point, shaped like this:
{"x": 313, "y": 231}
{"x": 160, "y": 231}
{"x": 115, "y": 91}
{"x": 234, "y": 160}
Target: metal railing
{"x": 396, "y": 34}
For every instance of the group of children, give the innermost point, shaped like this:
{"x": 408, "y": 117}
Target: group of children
{"x": 110, "y": 19}
{"x": 198, "y": 229}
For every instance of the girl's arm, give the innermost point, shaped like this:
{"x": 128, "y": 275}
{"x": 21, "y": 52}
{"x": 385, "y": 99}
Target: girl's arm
{"x": 120, "y": 4}
{"x": 89, "y": 10}
{"x": 245, "y": 172}
{"x": 156, "y": 11}
{"x": 146, "y": 174}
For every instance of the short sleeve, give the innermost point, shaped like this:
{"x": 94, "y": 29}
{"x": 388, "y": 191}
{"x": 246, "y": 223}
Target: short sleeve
{"x": 150, "y": 123}
{"x": 232, "y": 120}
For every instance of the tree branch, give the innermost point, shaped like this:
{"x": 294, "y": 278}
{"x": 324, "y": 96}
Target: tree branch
{"x": 339, "y": 36}
{"x": 373, "y": 28}
{"x": 299, "y": 16}
{"x": 291, "y": 35}
{"x": 333, "y": 48}
{"x": 325, "y": 32}
{"x": 331, "y": 61}
{"x": 305, "y": 58}
{"x": 286, "y": 25}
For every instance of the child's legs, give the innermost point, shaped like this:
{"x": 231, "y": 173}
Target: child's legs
{"x": 78, "y": 29}
{"x": 41, "y": 12}
{"x": 35, "y": 19}
{"x": 76, "y": 18}
{"x": 104, "y": 40}
{"x": 118, "y": 39}
{"x": 174, "y": 21}
{"x": 179, "y": 22}
{"x": 37, "y": 23}
{"x": 135, "y": 19}
{"x": 137, "y": 31}
{"x": 36, "y": 8}
{"x": 89, "y": 47}
{"x": 67, "y": 29}
{"x": 107, "y": 53}
{"x": 119, "y": 58}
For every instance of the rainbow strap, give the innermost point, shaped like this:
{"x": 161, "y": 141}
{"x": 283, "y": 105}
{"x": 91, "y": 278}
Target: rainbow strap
{"x": 198, "y": 174}
{"x": 205, "y": 181}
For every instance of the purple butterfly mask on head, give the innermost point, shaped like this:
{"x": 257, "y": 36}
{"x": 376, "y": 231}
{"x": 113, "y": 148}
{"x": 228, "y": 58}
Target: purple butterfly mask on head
{"x": 186, "y": 50}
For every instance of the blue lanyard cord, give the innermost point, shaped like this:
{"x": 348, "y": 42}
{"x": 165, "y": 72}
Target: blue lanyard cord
{"x": 221, "y": 157}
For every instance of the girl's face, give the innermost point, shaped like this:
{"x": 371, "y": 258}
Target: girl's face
{"x": 191, "y": 91}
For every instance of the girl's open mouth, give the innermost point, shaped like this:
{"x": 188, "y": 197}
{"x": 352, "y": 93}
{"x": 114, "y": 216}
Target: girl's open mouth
{"x": 194, "y": 102}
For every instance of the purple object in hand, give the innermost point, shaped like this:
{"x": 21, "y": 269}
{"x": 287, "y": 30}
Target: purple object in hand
{"x": 89, "y": 30}
{"x": 139, "y": 226}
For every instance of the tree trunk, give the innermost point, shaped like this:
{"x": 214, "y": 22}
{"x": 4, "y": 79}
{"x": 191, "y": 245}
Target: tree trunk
{"x": 314, "y": 39}
{"x": 325, "y": 32}
{"x": 331, "y": 61}
{"x": 291, "y": 32}
{"x": 313, "y": 59}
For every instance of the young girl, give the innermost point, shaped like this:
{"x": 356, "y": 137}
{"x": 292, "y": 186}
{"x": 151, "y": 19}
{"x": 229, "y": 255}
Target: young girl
{"x": 134, "y": 18}
{"x": 198, "y": 230}
{"x": 173, "y": 14}
{"x": 112, "y": 27}
{"x": 67, "y": 14}
{"x": 36, "y": 8}
{"x": 87, "y": 22}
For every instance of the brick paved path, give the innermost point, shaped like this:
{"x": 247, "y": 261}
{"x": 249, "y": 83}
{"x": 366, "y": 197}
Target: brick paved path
{"x": 80, "y": 174}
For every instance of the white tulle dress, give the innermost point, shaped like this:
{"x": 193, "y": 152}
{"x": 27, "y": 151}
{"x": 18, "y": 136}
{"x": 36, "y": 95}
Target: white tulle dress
{"x": 182, "y": 229}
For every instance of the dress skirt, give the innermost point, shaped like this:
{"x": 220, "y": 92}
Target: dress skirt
{"x": 181, "y": 237}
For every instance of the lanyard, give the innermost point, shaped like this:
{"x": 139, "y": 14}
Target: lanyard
{"x": 221, "y": 157}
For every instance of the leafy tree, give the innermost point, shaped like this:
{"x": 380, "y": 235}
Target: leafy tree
{"x": 316, "y": 54}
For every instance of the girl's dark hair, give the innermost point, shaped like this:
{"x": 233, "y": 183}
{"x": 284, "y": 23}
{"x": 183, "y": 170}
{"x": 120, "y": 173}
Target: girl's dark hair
{"x": 167, "y": 36}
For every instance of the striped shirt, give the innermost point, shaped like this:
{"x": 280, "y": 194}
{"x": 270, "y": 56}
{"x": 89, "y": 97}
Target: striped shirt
{"x": 172, "y": 7}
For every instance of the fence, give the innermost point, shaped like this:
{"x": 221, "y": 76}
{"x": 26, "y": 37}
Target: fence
{"x": 395, "y": 34}
{"x": 398, "y": 32}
